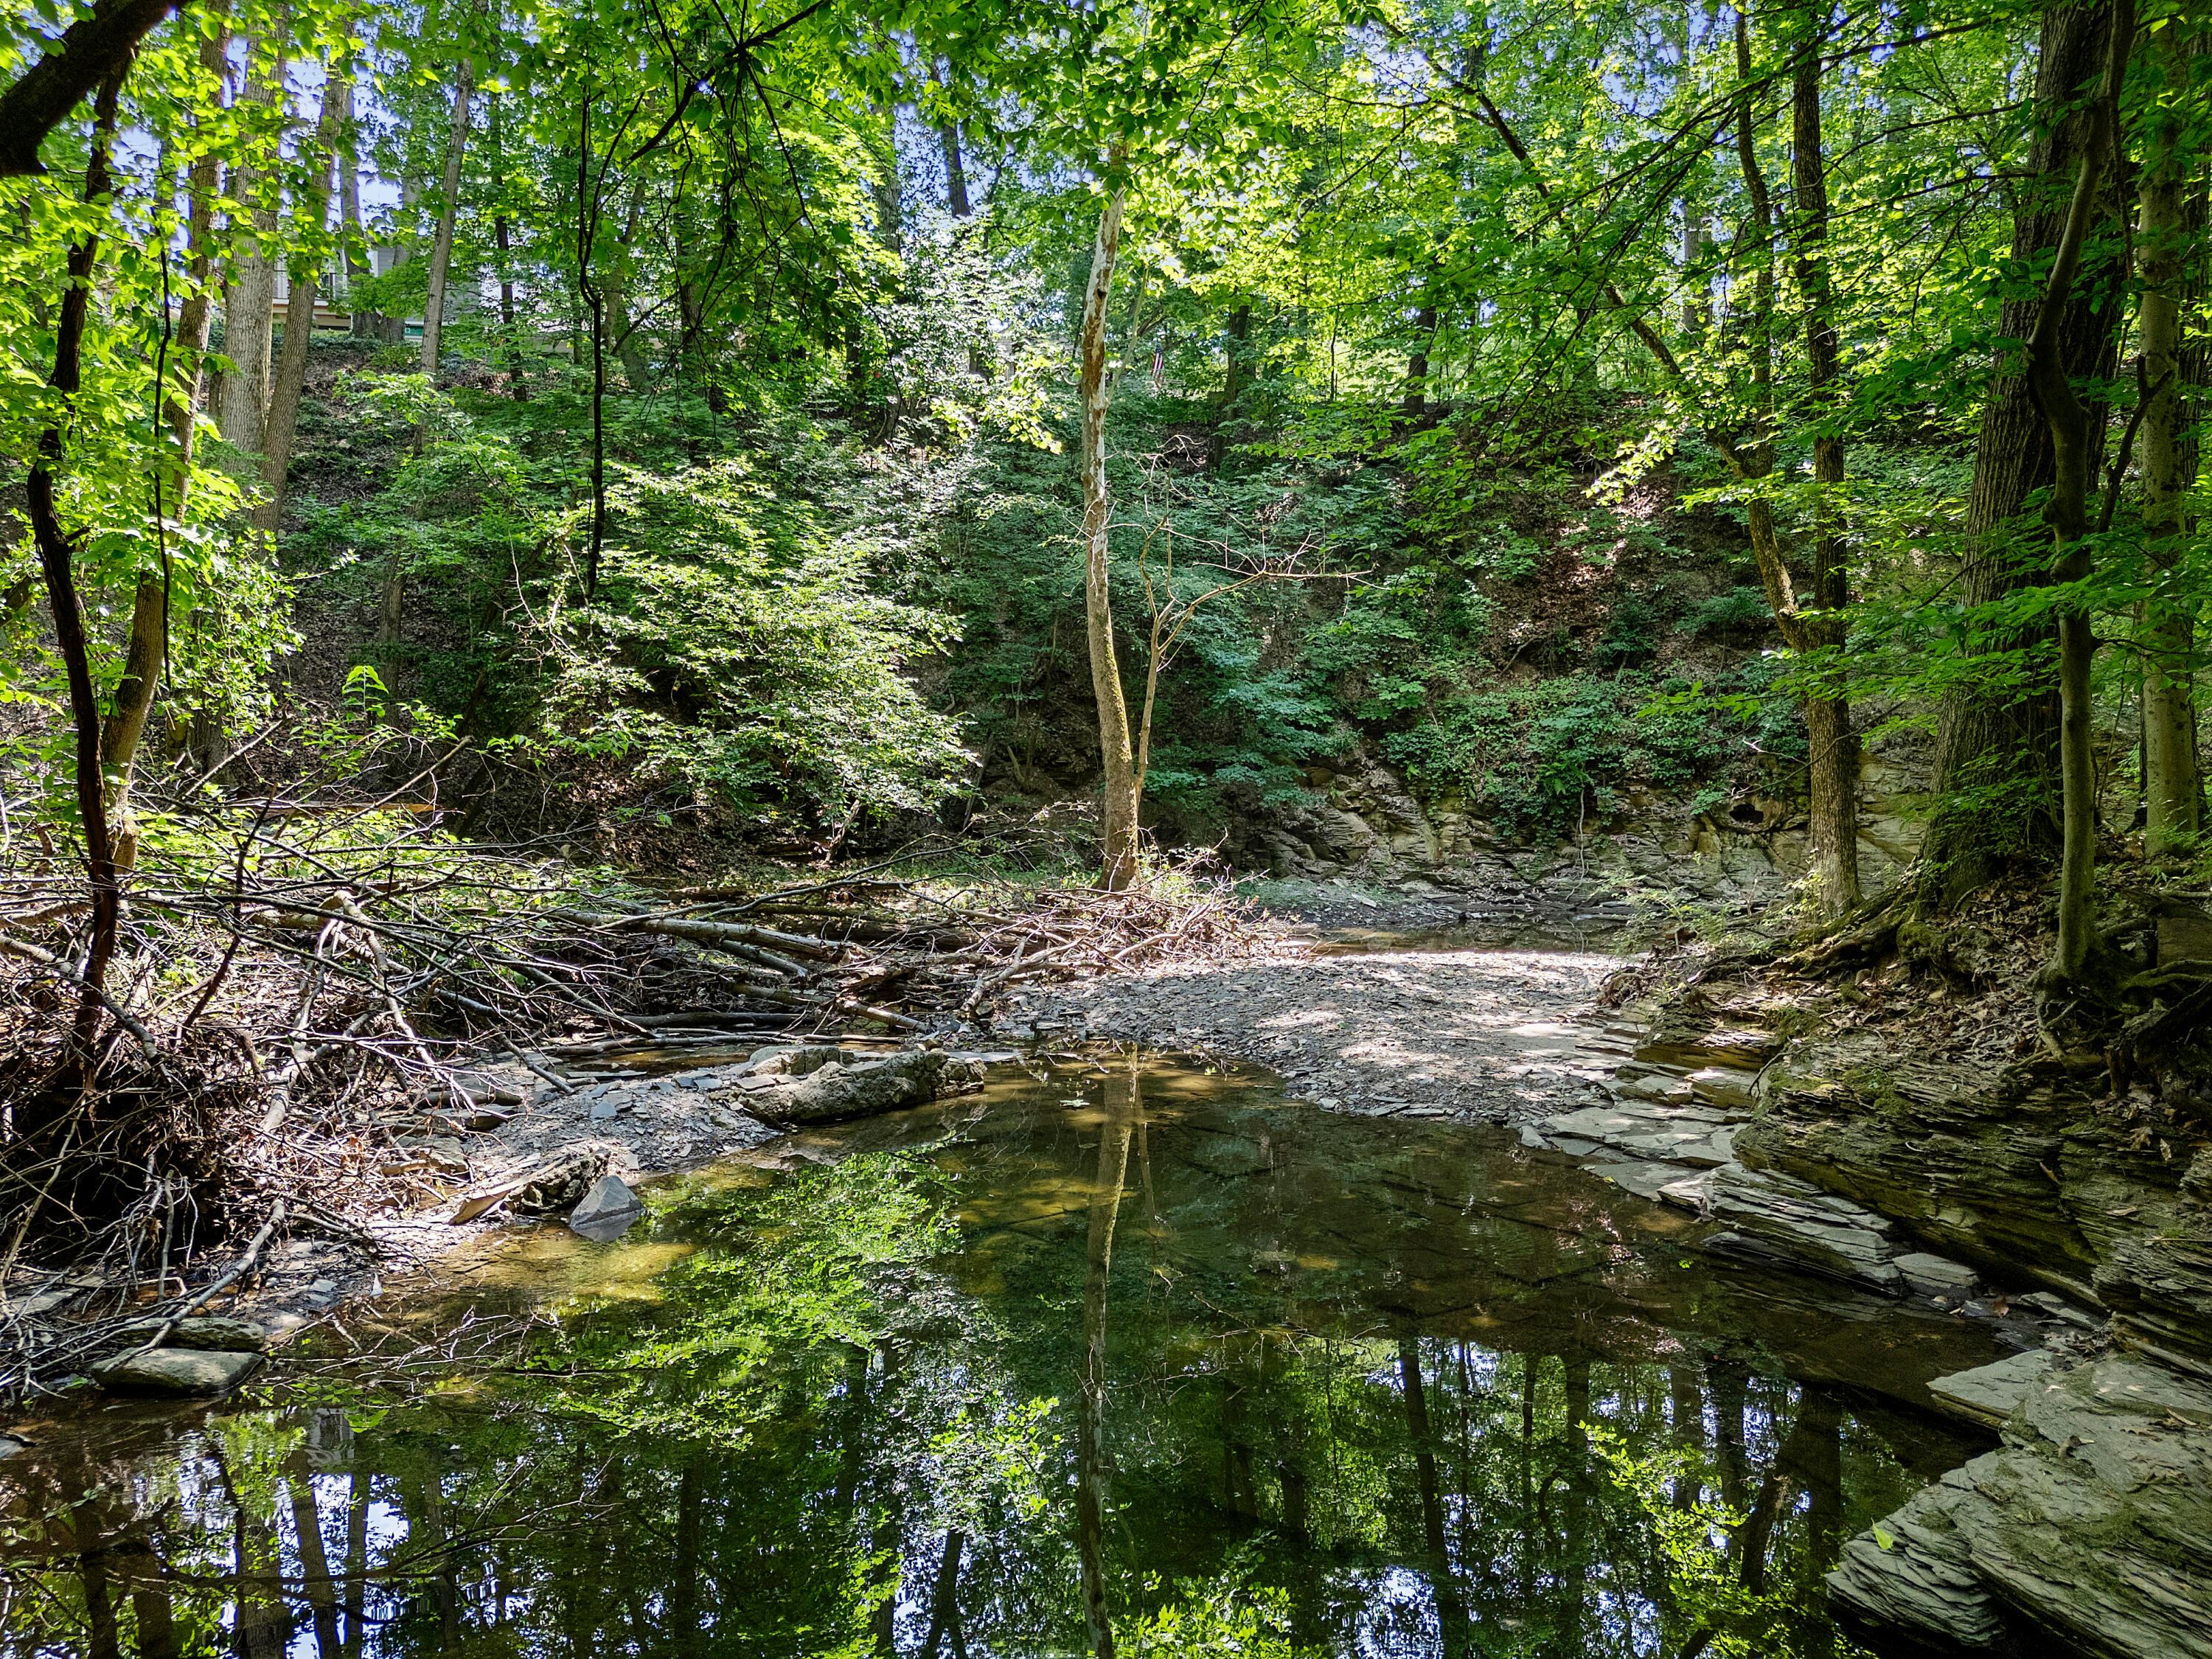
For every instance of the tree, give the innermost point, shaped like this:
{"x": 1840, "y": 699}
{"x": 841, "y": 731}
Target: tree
{"x": 250, "y": 294}
{"x": 124, "y": 727}
{"x": 91, "y": 51}
{"x": 2173, "y": 793}
{"x": 1120, "y": 867}
{"x": 58, "y": 549}
{"x": 311, "y": 212}
{"x": 1835, "y": 760}
{"x": 2066, "y": 509}
{"x": 1996, "y": 747}
{"x": 449, "y": 207}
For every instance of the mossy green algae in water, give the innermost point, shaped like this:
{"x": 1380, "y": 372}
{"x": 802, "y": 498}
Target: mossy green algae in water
{"x": 1153, "y": 1357}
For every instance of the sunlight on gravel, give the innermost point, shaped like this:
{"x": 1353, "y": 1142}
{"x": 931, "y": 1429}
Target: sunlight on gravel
{"x": 1500, "y": 1036}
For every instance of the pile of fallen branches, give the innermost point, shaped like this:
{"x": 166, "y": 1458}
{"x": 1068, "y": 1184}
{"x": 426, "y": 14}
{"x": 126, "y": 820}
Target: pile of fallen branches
{"x": 301, "y": 993}
{"x": 907, "y": 956}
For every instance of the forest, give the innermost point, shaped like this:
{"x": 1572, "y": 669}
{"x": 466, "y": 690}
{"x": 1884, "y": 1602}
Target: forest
{"x": 595, "y": 592}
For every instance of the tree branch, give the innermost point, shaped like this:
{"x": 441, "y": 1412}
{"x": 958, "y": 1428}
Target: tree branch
{"x": 89, "y": 51}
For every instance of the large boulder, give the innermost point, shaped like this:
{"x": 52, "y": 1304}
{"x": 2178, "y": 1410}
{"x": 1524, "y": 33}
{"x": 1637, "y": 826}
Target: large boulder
{"x": 176, "y": 1372}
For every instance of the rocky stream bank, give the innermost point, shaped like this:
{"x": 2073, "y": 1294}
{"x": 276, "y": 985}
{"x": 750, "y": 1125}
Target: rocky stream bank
{"x": 2022, "y": 1190}
{"x": 1995, "y": 1183}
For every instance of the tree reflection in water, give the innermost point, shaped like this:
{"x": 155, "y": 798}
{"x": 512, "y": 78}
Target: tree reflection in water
{"x": 1375, "y": 1389}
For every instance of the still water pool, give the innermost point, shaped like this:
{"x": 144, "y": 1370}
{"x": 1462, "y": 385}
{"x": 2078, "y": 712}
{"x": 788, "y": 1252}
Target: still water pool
{"x": 1134, "y": 1356}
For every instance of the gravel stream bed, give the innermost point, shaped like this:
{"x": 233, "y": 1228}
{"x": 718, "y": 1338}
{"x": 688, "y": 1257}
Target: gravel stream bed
{"x": 1493, "y": 1036}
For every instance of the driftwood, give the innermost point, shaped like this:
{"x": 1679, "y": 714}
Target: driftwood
{"x": 297, "y": 987}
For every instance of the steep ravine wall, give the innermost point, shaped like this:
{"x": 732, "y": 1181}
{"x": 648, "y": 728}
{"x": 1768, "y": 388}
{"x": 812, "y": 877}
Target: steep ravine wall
{"x": 1366, "y": 826}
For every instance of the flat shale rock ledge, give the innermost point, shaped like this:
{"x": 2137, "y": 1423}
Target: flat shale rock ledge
{"x": 2089, "y": 1531}
{"x": 1668, "y": 1130}
{"x": 1990, "y": 1394}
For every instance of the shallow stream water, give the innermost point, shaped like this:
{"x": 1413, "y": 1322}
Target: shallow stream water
{"x": 1132, "y": 1352}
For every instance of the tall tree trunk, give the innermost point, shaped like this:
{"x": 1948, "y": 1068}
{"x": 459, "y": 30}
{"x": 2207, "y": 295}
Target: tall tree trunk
{"x": 588, "y": 290}
{"x": 1996, "y": 752}
{"x": 250, "y": 301}
{"x": 2066, "y": 509}
{"x": 311, "y": 215}
{"x": 887, "y": 184}
{"x": 1697, "y": 298}
{"x": 1120, "y": 867}
{"x": 56, "y": 563}
{"x": 518, "y": 383}
{"x": 1232, "y": 383}
{"x": 249, "y": 310}
{"x": 1123, "y": 1103}
{"x": 1417, "y": 365}
{"x": 2173, "y": 792}
{"x": 353, "y": 241}
{"x": 126, "y": 726}
{"x": 698, "y": 362}
{"x": 1832, "y": 780}
{"x": 636, "y": 370}
{"x": 392, "y": 329}
{"x": 1834, "y": 783}
{"x": 956, "y": 171}
{"x": 956, "y": 166}
{"x": 449, "y": 207}
{"x": 1233, "y": 375}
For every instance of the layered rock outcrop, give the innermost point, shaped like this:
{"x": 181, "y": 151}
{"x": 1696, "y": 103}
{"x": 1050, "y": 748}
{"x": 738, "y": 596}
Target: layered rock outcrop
{"x": 2091, "y": 1527}
{"x": 2089, "y": 1530}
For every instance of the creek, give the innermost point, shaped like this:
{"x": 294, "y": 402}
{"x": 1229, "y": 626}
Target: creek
{"x": 1136, "y": 1350}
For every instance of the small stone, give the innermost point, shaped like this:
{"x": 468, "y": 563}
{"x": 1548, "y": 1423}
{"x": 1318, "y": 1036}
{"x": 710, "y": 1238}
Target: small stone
{"x": 865, "y": 1089}
{"x": 1936, "y": 1275}
{"x": 799, "y": 1061}
{"x": 613, "y": 1106}
{"x": 1692, "y": 1193}
{"x": 176, "y": 1372}
{"x": 1663, "y": 1087}
{"x": 1672, "y": 1146}
{"x": 43, "y": 1302}
{"x": 610, "y": 1201}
